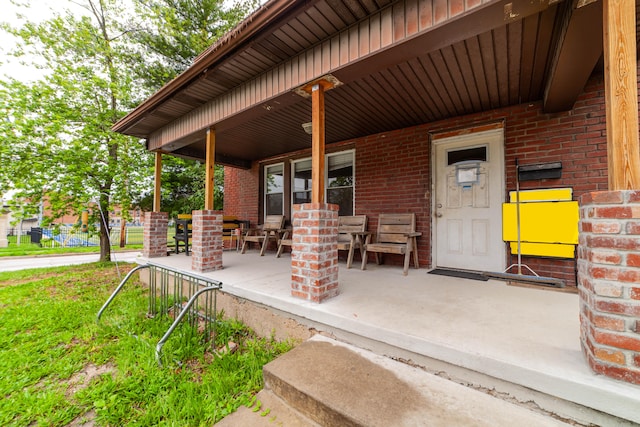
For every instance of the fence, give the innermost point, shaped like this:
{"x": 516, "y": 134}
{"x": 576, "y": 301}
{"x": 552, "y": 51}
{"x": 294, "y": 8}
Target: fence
{"x": 66, "y": 237}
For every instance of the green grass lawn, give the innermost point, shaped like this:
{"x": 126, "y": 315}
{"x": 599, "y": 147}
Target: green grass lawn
{"x": 57, "y": 365}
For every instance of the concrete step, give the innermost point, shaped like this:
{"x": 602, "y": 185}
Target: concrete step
{"x": 268, "y": 411}
{"x": 336, "y": 384}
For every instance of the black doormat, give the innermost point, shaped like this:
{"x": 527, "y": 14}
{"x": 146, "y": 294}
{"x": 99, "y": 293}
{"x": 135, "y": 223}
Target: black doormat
{"x": 459, "y": 273}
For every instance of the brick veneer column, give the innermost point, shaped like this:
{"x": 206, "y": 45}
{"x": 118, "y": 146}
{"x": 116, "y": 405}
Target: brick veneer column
{"x": 154, "y": 240}
{"x": 206, "y": 247}
{"x": 609, "y": 283}
{"x": 314, "y": 251}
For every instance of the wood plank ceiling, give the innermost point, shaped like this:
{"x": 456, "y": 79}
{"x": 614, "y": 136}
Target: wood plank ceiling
{"x": 505, "y": 66}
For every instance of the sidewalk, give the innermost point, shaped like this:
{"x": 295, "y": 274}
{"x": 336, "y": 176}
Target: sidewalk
{"x": 25, "y": 262}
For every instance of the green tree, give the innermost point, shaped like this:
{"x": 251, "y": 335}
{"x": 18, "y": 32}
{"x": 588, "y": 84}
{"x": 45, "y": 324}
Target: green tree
{"x": 55, "y": 137}
{"x": 169, "y": 36}
{"x": 183, "y": 187}
{"x": 55, "y": 132}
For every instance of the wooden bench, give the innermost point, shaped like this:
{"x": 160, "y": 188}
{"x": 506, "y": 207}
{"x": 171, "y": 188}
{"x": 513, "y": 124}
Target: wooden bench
{"x": 351, "y": 230}
{"x": 396, "y": 235}
{"x": 272, "y": 229}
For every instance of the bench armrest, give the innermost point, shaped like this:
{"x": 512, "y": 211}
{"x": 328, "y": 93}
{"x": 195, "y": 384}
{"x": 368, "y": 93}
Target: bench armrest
{"x": 360, "y": 233}
{"x": 253, "y": 231}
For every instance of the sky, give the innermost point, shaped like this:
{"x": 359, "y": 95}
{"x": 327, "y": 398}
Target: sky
{"x": 38, "y": 11}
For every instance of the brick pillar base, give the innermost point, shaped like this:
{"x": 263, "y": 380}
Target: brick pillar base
{"x": 314, "y": 251}
{"x": 609, "y": 283}
{"x": 206, "y": 247}
{"x": 154, "y": 240}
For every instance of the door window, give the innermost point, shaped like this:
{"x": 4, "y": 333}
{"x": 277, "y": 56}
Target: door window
{"x": 478, "y": 154}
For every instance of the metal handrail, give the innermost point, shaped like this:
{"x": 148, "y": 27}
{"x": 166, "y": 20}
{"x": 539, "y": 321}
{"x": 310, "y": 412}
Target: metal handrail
{"x": 160, "y": 292}
{"x": 119, "y": 288}
{"x": 185, "y": 310}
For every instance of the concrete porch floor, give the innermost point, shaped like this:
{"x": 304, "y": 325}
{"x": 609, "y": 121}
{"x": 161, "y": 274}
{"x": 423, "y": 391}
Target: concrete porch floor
{"x": 522, "y": 342}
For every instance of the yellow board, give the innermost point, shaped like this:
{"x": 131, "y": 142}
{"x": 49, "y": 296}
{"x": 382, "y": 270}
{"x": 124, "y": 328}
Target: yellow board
{"x": 542, "y": 222}
{"x": 546, "y": 195}
{"x": 546, "y": 228}
{"x": 556, "y": 250}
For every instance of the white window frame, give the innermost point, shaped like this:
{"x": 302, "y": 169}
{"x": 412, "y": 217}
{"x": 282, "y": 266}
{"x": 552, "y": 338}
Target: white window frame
{"x": 326, "y": 175}
{"x": 353, "y": 166}
{"x": 266, "y": 186}
{"x": 293, "y": 178}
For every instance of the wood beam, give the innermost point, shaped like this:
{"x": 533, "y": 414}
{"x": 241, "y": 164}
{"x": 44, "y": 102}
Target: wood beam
{"x": 577, "y": 52}
{"x": 210, "y": 168}
{"x": 317, "y": 143}
{"x": 157, "y": 173}
{"x": 621, "y": 94}
{"x": 221, "y": 159}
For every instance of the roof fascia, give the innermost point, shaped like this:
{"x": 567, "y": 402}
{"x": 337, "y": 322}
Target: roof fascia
{"x": 255, "y": 23}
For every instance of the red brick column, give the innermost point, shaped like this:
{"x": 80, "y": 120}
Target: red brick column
{"x": 206, "y": 246}
{"x": 609, "y": 283}
{"x": 154, "y": 237}
{"x": 314, "y": 251}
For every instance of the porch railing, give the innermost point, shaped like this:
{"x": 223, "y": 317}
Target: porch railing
{"x": 182, "y": 296}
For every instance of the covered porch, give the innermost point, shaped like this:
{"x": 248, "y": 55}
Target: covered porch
{"x": 557, "y": 80}
{"x": 522, "y": 343}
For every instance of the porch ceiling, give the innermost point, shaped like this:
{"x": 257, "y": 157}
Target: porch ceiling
{"x": 463, "y": 66}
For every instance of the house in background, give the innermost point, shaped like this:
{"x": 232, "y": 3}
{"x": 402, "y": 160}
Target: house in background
{"x": 424, "y": 107}
{"x": 11, "y": 226}
{"x": 4, "y": 225}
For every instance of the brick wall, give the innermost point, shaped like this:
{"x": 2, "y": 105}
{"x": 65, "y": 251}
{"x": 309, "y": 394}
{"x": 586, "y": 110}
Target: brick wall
{"x": 609, "y": 276}
{"x": 154, "y": 238}
{"x": 241, "y": 193}
{"x": 393, "y": 175}
{"x": 393, "y": 169}
{"x": 576, "y": 138}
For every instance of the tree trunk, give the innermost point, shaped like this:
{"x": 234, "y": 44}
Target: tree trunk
{"x": 105, "y": 241}
{"x": 123, "y": 231}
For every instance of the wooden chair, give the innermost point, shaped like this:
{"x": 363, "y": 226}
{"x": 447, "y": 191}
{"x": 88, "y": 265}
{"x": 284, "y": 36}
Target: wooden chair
{"x": 284, "y": 241}
{"x": 230, "y": 224}
{"x": 396, "y": 235}
{"x": 272, "y": 229}
{"x": 351, "y": 230}
{"x": 183, "y": 232}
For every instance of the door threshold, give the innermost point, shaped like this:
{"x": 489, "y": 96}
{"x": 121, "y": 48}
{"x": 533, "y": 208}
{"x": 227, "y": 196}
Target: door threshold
{"x": 462, "y": 274}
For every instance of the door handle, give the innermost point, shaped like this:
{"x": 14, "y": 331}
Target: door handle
{"x": 439, "y": 214}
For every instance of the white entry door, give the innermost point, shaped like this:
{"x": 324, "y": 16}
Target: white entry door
{"x": 469, "y": 186}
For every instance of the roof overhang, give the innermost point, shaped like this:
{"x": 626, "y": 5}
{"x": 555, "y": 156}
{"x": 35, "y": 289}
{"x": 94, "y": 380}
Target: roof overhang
{"x": 400, "y": 63}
